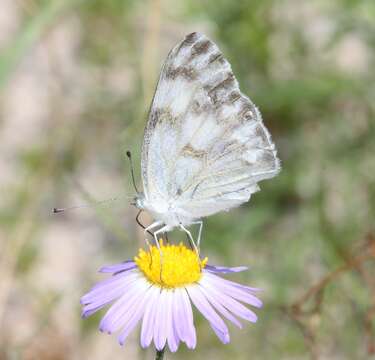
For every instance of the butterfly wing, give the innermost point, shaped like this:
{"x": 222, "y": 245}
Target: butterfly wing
{"x": 205, "y": 146}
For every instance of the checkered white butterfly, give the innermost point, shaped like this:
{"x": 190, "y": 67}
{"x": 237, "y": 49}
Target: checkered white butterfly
{"x": 205, "y": 146}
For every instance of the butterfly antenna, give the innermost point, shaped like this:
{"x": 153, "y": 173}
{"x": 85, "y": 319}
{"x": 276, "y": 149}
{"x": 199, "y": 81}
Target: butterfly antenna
{"x": 96, "y": 203}
{"x": 129, "y": 155}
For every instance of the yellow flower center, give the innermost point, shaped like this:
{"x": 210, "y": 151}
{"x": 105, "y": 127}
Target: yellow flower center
{"x": 178, "y": 265}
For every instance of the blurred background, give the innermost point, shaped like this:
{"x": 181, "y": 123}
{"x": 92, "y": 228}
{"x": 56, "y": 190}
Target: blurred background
{"x": 76, "y": 81}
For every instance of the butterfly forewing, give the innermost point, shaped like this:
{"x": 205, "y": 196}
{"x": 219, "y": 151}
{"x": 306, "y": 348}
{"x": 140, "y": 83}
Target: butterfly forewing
{"x": 205, "y": 146}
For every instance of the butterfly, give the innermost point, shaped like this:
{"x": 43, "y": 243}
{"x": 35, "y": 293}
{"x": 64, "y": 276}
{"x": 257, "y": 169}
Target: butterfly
{"x": 205, "y": 146}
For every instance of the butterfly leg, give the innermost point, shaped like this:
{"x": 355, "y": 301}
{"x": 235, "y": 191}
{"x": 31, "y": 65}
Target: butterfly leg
{"x": 153, "y": 226}
{"x": 147, "y": 230}
{"x": 200, "y": 223}
{"x": 156, "y": 233}
{"x": 191, "y": 239}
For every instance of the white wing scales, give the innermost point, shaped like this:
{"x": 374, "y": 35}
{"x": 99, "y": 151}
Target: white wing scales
{"x": 205, "y": 146}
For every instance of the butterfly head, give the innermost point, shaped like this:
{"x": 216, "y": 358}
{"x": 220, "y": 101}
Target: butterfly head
{"x": 139, "y": 201}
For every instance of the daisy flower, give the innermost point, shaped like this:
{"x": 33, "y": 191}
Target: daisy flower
{"x": 160, "y": 297}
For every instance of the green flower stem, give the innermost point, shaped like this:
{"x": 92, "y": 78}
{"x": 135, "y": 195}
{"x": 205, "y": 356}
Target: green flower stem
{"x": 160, "y": 354}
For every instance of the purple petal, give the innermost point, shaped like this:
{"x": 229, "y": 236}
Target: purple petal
{"x": 231, "y": 304}
{"x": 207, "y": 311}
{"x": 216, "y": 304}
{"x": 171, "y": 339}
{"x": 238, "y": 309}
{"x": 126, "y": 316}
{"x": 236, "y": 285}
{"x": 126, "y": 265}
{"x": 186, "y": 321}
{"x": 149, "y": 318}
{"x": 113, "y": 279}
{"x": 245, "y": 287}
{"x": 160, "y": 329}
{"x": 224, "y": 337}
{"x": 104, "y": 297}
{"x": 224, "y": 270}
{"x": 86, "y": 313}
{"x": 110, "y": 321}
{"x": 233, "y": 291}
{"x": 104, "y": 287}
{"x": 176, "y": 335}
{"x": 179, "y": 320}
{"x": 134, "y": 315}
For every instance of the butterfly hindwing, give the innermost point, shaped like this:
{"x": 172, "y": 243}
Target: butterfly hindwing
{"x": 205, "y": 146}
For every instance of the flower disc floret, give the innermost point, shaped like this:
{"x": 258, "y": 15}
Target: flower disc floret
{"x": 170, "y": 267}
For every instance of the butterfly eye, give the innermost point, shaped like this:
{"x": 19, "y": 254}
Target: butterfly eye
{"x": 248, "y": 115}
{"x": 139, "y": 202}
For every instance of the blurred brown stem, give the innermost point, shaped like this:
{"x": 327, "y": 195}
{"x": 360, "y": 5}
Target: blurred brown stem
{"x": 353, "y": 262}
{"x": 296, "y": 312}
